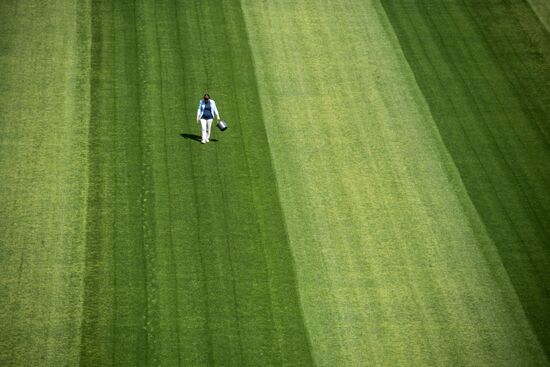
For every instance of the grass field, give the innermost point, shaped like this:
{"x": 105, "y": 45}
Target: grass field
{"x": 382, "y": 196}
{"x": 495, "y": 123}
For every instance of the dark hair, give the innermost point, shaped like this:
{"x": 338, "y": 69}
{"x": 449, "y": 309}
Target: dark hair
{"x": 206, "y": 95}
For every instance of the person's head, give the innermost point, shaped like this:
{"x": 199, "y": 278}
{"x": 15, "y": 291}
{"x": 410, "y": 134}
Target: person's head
{"x": 206, "y": 97}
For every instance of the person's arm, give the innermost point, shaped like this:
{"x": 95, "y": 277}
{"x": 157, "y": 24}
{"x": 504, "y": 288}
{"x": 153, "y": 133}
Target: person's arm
{"x": 199, "y": 112}
{"x": 216, "y": 110}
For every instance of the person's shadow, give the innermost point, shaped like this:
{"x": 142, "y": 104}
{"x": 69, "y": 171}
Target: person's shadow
{"x": 194, "y": 137}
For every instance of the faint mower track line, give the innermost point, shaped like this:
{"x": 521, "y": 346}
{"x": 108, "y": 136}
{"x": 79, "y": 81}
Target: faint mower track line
{"x": 94, "y": 244}
{"x": 205, "y": 56}
{"x": 168, "y": 186}
{"x": 197, "y": 213}
{"x": 145, "y": 160}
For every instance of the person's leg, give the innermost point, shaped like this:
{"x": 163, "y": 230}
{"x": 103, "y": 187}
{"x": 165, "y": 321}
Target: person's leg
{"x": 208, "y": 129}
{"x": 204, "y": 135}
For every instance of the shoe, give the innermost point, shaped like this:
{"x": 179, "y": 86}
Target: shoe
{"x": 203, "y": 142}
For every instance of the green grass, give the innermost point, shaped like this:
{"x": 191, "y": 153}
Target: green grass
{"x": 387, "y": 239}
{"x": 188, "y": 261}
{"x": 380, "y": 198}
{"x": 542, "y": 10}
{"x": 43, "y": 152}
{"x": 486, "y": 79}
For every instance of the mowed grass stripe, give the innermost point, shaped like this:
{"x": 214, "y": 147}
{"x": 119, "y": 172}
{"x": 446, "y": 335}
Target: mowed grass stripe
{"x": 121, "y": 322}
{"x": 500, "y": 154}
{"x": 44, "y": 106}
{"x": 238, "y": 173}
{"x": 290, "y": 343}
{"x": 96, "y": 337}
{"x": 512, "y": 34}
{"x": 302, "y": 93}
{"x": 188, "y": 259}
{"x": 532, "y": 179}
{"x": 387, "y": 244}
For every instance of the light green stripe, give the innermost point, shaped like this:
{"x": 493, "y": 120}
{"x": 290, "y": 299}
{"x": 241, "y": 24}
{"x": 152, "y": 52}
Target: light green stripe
{"x": 44, "y": 101}
{"x": 394, "y": 266}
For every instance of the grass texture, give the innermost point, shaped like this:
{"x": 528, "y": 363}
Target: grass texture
{"x": 44, "y": 96}
{"x": 381, "y": 196}
{"x": 395, "y": 264}
{"x": 187, "y": 257}
{"x": 487, "y": 81}
{"x": 542, "y": 10}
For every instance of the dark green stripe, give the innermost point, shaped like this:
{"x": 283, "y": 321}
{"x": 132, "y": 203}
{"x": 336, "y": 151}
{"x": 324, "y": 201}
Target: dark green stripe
{"x": 188, "y": 261}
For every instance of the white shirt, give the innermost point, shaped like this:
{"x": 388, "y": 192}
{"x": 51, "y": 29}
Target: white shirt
{"x": 213, "y": 108}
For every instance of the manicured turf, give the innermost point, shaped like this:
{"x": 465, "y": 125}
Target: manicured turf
{"x": 188, "y": 261}
{"x": 394, "y": 264}
{"x": 186, "y": 255}
{"x": 43, "y": 157}
{"x": 381, "y": 196}
{"x": 485, "y": 72}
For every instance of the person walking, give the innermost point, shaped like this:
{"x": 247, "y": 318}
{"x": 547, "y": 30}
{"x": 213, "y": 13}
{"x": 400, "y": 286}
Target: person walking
{"x": 205, "y": 115}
